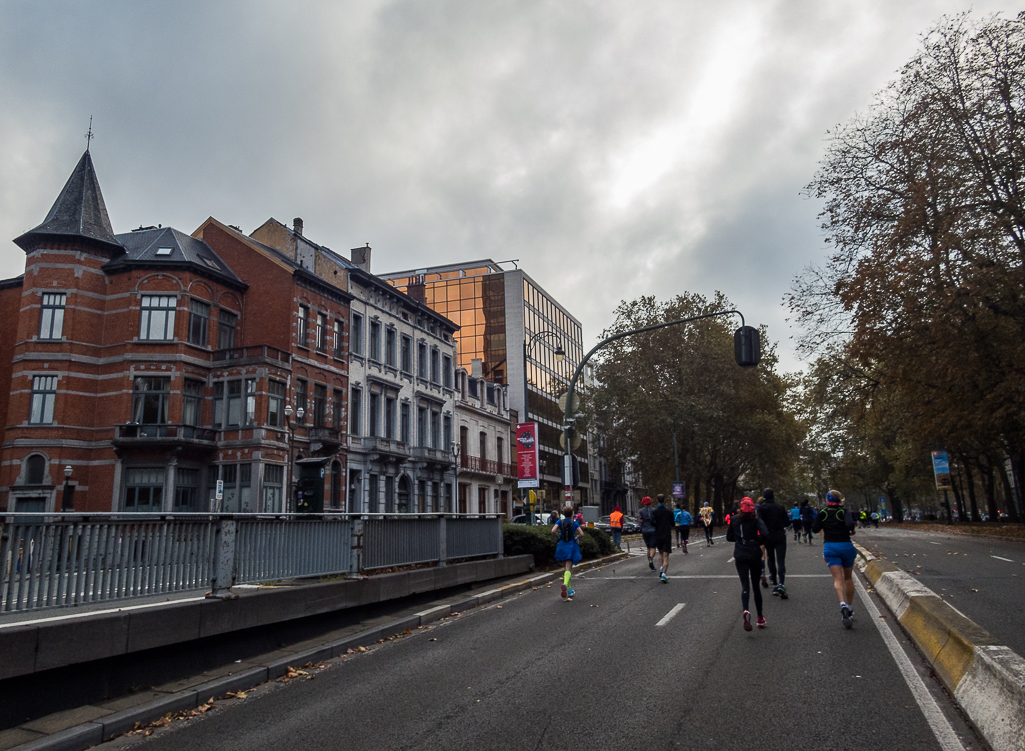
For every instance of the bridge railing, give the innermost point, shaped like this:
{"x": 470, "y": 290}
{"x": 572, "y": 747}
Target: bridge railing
{"x": 56, "y": 560}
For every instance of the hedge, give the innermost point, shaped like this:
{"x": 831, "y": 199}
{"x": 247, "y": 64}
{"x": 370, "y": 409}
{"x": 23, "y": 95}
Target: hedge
{"x": 538, "y": 541}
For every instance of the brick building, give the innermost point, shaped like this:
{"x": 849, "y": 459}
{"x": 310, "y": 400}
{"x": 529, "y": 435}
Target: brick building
{"x": 147, "y": 365}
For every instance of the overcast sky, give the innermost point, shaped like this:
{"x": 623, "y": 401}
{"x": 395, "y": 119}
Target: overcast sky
{"x": 615, "y": 148}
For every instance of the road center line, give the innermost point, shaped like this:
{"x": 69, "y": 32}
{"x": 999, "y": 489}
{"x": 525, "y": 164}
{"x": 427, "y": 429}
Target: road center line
{"x": 944, "y": 733}
{"x": 669, "y": 616}
{"x": 934, "y": 543}
{"x": 1002, "y": 559}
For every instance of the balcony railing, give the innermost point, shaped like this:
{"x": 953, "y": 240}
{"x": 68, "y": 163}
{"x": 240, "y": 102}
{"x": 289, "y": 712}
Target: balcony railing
{"x": 133, "y": 433}
{"x": 433, "y": 456}
{"x": 485, "y": 466}
{"x": 255, "y": 352}
{"x": 384, "y": 446}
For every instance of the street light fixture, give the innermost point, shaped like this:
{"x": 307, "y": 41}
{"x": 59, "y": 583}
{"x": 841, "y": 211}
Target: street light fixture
{"x": 68, "y": 502}
{"x": 291, "y": 451}
{"x": 455, "y": 471}
{"x": 528, "y": 349}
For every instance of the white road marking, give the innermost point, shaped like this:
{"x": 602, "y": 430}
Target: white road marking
{"x": 934, "y": 543}
{"x": 669, "y": 616}
{"x": 654, "y": 577}
{"x": 99, "y": 612}
{"x": 944, "y": 733}
{"x": 1002, "y": 559}
{"x": 731, "y": 560}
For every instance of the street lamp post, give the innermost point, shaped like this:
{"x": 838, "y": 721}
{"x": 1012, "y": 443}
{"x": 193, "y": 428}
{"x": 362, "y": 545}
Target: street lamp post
{"x": 291, "y": 451}
{"x": 747, "y": 351}
{"x": 455, "y": 476}
{"x": 68, "y": 502}
{"x": 528, "y": 348}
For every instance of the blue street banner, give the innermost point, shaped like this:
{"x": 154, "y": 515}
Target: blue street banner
{"x": 941, "y": 469}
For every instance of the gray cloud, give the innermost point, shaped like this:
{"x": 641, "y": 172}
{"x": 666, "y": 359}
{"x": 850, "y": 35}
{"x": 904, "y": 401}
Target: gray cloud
{"x": 616, "y": 149}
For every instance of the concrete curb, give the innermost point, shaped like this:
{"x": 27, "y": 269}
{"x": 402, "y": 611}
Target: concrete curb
{"x": 89, "y": 734}
{"x": 986, "y": 679}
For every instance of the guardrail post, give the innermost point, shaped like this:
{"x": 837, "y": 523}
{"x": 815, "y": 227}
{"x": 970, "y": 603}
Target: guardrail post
{"x": 501, "y": 537}
{"x": 356, "y": 552}
{"x": 223, "y": 575}
{"x": 442, "y": 542}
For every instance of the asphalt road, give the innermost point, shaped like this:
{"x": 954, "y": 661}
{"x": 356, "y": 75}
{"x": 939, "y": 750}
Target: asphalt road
{"x": 599, "y": 672}
{"x": 984, "y": 579}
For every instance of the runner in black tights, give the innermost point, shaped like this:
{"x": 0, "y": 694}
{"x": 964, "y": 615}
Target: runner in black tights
{"x": 748, "y": 533}
{"x": 776, "y": 520}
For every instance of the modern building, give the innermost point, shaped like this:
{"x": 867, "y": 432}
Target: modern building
{"x": 486, "y": 432}
{"x": 149, "y": 371}
{"x": 526, "y": 341}
{"x": 402, "y": 390}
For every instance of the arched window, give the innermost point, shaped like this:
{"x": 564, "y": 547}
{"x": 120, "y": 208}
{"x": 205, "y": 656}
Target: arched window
{"x": 35, "y": 469}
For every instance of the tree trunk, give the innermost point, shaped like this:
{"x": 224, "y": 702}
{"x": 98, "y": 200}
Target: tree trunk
{"x": 1009, "y": 504}
{"x": 896, "y": 507}
{"x": 958, "y": 493}
{"x": 989, "y": 484}
{"x": 970, "y": 481}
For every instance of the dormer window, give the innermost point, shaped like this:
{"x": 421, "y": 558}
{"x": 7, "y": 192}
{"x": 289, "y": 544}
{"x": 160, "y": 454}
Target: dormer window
{"x": 166, "y": 251}
{"x": 209, "y": 261}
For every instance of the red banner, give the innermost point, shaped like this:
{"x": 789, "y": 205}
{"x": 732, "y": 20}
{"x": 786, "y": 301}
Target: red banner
{"x": 527, "y": 455}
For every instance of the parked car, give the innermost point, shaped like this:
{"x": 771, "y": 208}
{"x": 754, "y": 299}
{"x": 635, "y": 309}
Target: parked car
{"x": 522, "y": 519}
{"x": 631, "y": 526}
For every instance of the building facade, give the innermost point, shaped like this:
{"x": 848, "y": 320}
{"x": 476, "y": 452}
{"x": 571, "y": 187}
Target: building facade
{"x": 138, "y": 375}
{"x": 486, "y": 439}
{"x": 517, "y": 330}
{"x": 402, "y": 390}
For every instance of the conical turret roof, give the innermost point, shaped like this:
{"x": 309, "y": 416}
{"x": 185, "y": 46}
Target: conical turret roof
{"x": 78, "y": 212}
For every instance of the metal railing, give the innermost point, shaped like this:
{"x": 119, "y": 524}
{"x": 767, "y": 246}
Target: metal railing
{"x": 262, "y": 351}
{"x": 486, "y": 466}
{"x": 136, "y": 431}
{"x": 54, "y": 560}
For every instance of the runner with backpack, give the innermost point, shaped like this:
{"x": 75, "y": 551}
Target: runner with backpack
{"x": 567, "y": 549}
{"x": 795, "y": 522}
{"x": 837, "y": 526}
{"x": 748, "y": 534}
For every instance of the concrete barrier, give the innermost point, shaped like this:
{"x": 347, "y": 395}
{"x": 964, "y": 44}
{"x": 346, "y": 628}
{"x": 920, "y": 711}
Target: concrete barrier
{"x": 986, "y": 679}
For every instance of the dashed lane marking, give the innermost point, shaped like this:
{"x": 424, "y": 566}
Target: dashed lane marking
{"x": 939, "y": 725}
{"x": 671, "y": 614}
{"x": 1002, "y": 559}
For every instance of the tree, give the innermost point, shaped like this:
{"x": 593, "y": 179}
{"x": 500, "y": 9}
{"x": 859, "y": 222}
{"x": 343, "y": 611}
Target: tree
{"x": 732, "y": 424}
{"x": 925, "y": 207}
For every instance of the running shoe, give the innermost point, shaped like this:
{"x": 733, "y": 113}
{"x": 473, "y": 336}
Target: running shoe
{"x": 651, "y": 565}
{"x": 747, "y": 621}
{"x": 765, "y": 582}
{"x": 775, "y": 590}
{"x": 565, "y": 592}
{"x": 571, "y": 593}
{"x": 783, "y": 592}
{"x": 847, "y": 616}
{"x": 663, "y": 578}
{"x": 761, "y": 621}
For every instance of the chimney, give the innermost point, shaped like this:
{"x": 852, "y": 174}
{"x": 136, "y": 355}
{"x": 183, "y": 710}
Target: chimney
{"x": 297, "y": 225}
{"x": 477, "y": 367}
{"x": 361, "y": 257}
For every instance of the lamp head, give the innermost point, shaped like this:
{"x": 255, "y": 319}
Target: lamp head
{"x": 67, "y": 471}
{"x": 299, "y": 413}
{"x": 560, "y": 353}
{"x": 288, "y": 410}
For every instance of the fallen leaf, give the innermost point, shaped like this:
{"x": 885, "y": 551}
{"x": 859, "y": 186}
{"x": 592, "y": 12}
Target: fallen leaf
{"x": 975, "y": 590}
{"x": 499, "y": 607}
{"x": 433, "y": 639}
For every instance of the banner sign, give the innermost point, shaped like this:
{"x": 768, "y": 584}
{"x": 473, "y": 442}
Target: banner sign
{"x": 941, "y": 468}
{"x": 679, "y": 490}
{"x": 527, "y": 455}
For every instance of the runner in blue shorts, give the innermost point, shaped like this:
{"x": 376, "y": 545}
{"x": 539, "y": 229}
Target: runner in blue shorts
{"x": 837, "y": 526}
{"x": 567, "y": 549}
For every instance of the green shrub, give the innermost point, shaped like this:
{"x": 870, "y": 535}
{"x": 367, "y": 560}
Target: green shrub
{"x": 538, "y": 541}
{"x": 589, "y": 547}
{"x": 602, "y": 540}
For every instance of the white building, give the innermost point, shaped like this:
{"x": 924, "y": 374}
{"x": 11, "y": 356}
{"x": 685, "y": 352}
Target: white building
{"x": 486, "y": 441}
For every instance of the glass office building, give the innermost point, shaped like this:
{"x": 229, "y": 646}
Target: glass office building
{"x": 499, "y": 311}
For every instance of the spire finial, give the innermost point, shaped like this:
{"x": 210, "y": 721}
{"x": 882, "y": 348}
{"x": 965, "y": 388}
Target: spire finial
{"x": 89, "y": 136}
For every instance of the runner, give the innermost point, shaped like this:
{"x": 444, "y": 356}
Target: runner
{"x": 795, "y": 522}
{"x": 837, "y": 526}
{"x": 663, "y": 519}
{"x": 707, "y": 520}
{"x": 807, "y": 518}
{"x": 567, "y": 549}
{"x": 776, "y": 520}
{"x": 748, "y": 533}
{"x": 648, "y": 530}
{"x": 683, "y": 521}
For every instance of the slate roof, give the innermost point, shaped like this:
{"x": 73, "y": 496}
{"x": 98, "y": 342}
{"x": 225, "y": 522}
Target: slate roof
{"x": 78, "y": 212}
{"x": 155, "y": 247}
